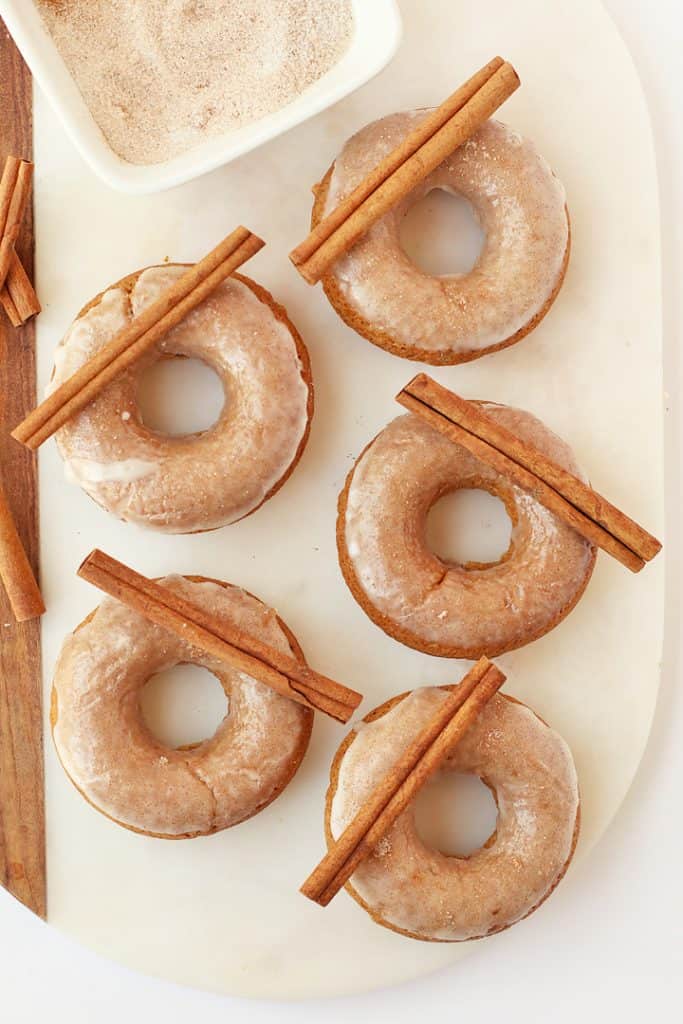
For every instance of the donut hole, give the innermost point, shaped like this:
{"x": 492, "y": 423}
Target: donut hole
{"x": 183, "y": 705}
{"x": 441, "y": 234}
{"x": 469, "y": 527}
{"x": 455, "y": 814}
{"x": 179, "y": 396}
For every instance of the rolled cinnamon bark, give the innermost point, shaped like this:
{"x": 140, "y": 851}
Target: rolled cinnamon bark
{"x": 184, "y": 295}
{"x": 591, "y": 515}
{"x": 12, "y": 207}
{"x": 401, "y": 785}
{"x": 283, "y": 673}
{"x": 15, "y": 570}
{"x": 435, "y": 138}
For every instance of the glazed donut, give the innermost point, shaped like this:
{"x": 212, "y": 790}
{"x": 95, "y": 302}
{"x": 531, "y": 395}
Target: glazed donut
{"x": 195, "y": 482}
{"x": 446, "y": 609}
{"x": 452, "y": 318}
{"x": 123, "y": 770}
{"x": 424, "y": 894}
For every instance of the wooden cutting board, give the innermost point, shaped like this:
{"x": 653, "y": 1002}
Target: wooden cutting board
{"x": 22, "y": 804}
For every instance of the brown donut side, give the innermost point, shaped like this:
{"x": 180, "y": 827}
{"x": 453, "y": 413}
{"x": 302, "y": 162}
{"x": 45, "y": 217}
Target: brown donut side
{"x": 291, "y": 768}
{"x": 127, "y": 284}
{"x": 398, "y": 632}
{"x": 335, "y": 768}
{"x": 353, "y": 319}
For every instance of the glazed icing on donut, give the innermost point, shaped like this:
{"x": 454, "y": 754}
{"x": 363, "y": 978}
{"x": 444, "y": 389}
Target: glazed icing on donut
{"x": 199, "y": 481}
{"x": 445, "y": 608}
{"x": 520, "y": 204}
{"x": 418, "y": 890}
{"x": 118, "y": 765}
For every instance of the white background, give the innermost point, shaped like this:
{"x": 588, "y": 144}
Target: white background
{"x": 609, "y": 944}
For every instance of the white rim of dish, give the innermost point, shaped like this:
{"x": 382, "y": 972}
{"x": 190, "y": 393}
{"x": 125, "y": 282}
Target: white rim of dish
{"x": 55, "y": 81}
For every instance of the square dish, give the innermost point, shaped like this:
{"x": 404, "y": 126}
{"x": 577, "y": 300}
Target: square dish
{"x": 377, "y": 33}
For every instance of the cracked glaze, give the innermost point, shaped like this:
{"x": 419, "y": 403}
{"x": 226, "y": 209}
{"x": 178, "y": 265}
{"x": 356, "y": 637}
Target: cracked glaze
{"x": 412, "y": 887}
{"x": 405, "y": 470}
{"x": 200, "y": 481}
{"x": 520, "y": 204}
{"x": 118, "y": 765}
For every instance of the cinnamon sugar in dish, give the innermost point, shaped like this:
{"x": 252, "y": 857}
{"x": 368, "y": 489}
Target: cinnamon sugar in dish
{"x": 162, "y": 76}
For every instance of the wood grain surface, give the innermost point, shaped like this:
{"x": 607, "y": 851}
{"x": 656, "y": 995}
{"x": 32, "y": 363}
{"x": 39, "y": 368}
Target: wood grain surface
{"x": 22, "y": 804}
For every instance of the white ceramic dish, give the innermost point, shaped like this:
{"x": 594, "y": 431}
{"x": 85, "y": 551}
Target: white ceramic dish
{"x": 375, "y": 40}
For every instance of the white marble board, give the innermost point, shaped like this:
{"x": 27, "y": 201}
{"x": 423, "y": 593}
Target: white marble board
{"x": 224, "y": 913}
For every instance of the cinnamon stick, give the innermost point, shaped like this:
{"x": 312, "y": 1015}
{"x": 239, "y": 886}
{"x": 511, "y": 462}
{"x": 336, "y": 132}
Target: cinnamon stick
{"x": 15, "y": 569}
{"x": 17, "y": 296}
{"x": 584, "y": 509}
{"x": 8, "y": 181}
{"x": 20, "y": 291}
{"x": 10, "y": 309}
{"x": 219, "y": 638}
{"x": 114, "y": 358}
{"x": 402, "y": 783}
{"x": 12, "y": 207}
{"x": 421, "y": 152}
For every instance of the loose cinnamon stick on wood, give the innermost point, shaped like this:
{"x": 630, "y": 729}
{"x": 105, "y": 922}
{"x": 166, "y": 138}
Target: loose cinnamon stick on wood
{"x": 10, "y": 309}
{"x": 17, "y": 296}
{"x": 219, "y": 638}
{"x": 12, "y": 211}
{"x": 435, "y": 138}
{"x": 15, "y": 570}
{"x": 10, "y": 173}
{"x": 396, "y": 790}
{"x": 20, "y": 291}
{"x": 184, "y": 295}
{"x": 584, "y": 509}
